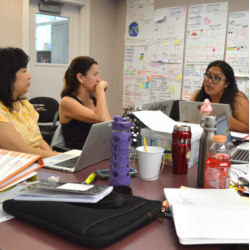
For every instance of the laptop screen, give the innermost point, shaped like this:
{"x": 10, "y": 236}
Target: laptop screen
{"x": 223, "y": 127}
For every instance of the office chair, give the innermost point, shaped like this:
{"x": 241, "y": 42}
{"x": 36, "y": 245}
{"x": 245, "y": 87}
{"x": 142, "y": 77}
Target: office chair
{"x": 48, "y": 116}
{"x": 57, "y": 142}
{"x": 174, "y": 114}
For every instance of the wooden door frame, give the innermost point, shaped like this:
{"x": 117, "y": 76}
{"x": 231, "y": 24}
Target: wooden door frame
{"x": 84, "y": 24}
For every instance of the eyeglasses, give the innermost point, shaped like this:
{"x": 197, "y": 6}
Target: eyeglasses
{"x": 215, "y": 79}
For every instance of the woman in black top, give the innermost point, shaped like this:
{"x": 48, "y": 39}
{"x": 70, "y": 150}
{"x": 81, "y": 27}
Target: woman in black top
{"x": 83, "y": 101}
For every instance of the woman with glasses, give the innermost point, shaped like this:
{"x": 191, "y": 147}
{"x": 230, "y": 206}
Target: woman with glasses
{"x": 219, "y": 86}
{"x": 83, "y": 101}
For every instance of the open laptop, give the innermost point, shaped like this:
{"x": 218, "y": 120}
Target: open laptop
{"x": 95, "y": 149}
{"x": 239, "y": 154}
{"x": 190, "y": 111}
{"x": 164, "y": 106}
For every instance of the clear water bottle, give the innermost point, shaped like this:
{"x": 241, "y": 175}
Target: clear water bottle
{"x": 217, "y": 169}
{"x": 120, "y": 152}
{"x": 206, "y": 141}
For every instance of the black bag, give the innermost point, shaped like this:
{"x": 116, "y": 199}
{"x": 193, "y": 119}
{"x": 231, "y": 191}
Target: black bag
{"x": 92, "y": 225}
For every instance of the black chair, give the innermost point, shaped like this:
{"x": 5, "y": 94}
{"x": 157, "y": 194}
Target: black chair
{"x": 175, "y": 115}
{"x": 47, "y": 108}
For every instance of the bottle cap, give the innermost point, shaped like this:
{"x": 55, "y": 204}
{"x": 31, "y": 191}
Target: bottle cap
{"x": 220, "y": 138}
{"x": 120, "y": 123}
{"x": 182, "y": 128}
{"x": 210, "y": 122}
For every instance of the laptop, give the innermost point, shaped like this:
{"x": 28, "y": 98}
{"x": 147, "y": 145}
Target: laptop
{"x": 164, "y": 106}
{"x": 95, "y": 149}
{"x": 239, "y": 154}
{"x": 190, "y": 111}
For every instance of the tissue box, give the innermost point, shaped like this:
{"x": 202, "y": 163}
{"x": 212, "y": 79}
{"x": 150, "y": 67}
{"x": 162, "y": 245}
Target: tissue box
{"x": 164, "y": 140}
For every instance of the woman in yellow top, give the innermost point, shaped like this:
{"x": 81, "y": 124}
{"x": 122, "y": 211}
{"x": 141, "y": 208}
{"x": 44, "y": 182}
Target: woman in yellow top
{"x": 219, "y": 86}
{"x": 19, "y": 130}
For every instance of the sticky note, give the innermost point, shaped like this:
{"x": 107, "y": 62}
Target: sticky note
{"x": 172, "y": 89}
{"x": 141, "y": 56}
{"x": 142, "y": 85}
{"x": 164, "y": 42}
{"x": 178, "y": 77}
{"x": 176, "y": 41}
{"x": 146, "y": 85}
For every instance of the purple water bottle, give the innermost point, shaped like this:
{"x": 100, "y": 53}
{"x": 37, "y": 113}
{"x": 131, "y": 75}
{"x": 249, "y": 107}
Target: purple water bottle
{"x": 120, "y": 152}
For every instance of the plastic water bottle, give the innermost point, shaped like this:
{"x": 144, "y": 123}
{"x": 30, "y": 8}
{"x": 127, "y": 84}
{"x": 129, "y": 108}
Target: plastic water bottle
{"x": 120, "y": 152}
{"x": 217, "y": 170}
{"x": 206, "y": 141}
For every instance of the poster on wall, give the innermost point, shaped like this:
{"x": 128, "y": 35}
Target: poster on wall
{"x": 237, "y": 43}
{"x": 139, "y": 21}
{"x": 153, "y": 67}
{"x": 168, "y": 35}
{"x": 205, "y": 42}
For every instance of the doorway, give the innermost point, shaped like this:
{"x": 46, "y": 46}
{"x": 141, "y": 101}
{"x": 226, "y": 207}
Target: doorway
{"x": 48, "y": 62}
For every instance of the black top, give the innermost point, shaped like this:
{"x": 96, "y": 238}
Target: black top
{"x": 75, "y": 132}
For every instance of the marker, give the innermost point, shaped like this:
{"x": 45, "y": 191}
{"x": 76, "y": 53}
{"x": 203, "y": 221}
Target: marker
{"x": 145, "y": 144}
{"x": 90, "y": 179}
{"x": 246, "y": 137}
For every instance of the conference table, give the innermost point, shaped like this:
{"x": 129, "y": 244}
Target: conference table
{"x": 18, "y": 235}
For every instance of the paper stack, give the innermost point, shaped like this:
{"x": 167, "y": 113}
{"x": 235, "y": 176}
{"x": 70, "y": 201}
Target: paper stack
{"x": 209, "y": 216}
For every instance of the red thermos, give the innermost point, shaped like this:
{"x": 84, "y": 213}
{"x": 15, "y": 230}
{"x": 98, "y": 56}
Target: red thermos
{"x": 181, "y": 148}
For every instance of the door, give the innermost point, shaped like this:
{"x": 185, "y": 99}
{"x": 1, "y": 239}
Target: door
{"x": 49, "y": 58}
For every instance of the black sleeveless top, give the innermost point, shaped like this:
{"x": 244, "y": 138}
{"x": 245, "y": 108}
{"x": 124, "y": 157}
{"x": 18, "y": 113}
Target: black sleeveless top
{"x": 75, "y": 132}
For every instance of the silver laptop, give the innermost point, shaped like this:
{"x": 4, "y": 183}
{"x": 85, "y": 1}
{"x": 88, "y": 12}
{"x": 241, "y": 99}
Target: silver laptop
{"x": 164, "y": 106}
{"x": 239, "y": 154}
{"x": 95, "y": 149}
{"x": 190, "y": 111}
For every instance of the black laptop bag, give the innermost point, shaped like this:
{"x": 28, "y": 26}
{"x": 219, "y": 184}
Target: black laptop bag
{"x": 92, "y": 225}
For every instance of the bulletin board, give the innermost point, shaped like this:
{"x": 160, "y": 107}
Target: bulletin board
{"x": 155, "y": 68}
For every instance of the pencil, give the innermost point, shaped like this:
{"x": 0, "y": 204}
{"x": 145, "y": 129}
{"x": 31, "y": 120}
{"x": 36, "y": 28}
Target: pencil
{"x": 145, "y": 144}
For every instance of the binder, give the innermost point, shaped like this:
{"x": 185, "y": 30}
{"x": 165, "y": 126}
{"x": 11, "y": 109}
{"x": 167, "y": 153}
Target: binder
{"x": 16, "y": 166}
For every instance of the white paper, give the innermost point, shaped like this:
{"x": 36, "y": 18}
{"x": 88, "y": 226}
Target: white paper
{"x": 205, "y": 42}
{"x": 158, "y": 121}
{"x": 75, "y": 186}
{"x": 237, "y": 43}
{"x": 208, "y": 215}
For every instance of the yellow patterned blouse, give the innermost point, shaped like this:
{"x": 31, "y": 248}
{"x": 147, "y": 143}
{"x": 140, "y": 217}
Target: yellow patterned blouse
{"x": 25, "y": 122}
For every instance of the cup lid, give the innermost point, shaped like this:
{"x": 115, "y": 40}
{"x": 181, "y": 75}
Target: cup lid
{"x": 184, "y": 128}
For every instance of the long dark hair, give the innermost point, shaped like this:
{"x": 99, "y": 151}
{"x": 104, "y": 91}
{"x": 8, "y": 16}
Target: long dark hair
{"x": 230, "y": 91}
{"x": 79, "y": 64}
{"x": 11, "y": 60}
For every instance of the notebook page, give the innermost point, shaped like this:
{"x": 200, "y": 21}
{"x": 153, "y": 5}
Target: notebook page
{"x": 204, "y": 197}
{"x": 194, "y": 223}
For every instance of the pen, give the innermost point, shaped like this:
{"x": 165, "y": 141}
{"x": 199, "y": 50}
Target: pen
{"x": 145, "y": 144}
{"x": 90, "y": 179}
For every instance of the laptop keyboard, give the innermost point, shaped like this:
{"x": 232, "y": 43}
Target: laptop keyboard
{"x": 241, "y": 155}
{"x": 70, "y": 163}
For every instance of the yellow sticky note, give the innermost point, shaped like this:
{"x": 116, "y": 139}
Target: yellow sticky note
{"x": 172, "y": 89}
{"x": 164, "y": 42}
{"x": 142, "y": 85}
{"x": 176, "y": 41}
{"x": 178, "y": 77}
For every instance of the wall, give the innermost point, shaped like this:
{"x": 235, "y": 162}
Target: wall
{"x": 11, "y": 23}
{"x": 233, "y": 6}
{"x": 107, "y": 27}
{"x": 102, "y": 44}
